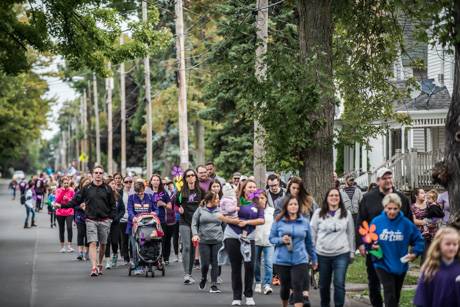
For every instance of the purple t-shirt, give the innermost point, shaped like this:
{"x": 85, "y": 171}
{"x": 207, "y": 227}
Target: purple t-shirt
{"x": 443, "y": 200}
{"x": 248, "y": 212}
{"x": 204, "y": 185}
{"x": 442, "y": 290}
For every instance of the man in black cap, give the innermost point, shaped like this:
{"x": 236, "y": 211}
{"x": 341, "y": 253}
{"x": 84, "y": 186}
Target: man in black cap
{"x": 370, "y": 207}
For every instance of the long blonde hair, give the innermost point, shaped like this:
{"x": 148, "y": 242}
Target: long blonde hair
{"x": 433, "y": 258}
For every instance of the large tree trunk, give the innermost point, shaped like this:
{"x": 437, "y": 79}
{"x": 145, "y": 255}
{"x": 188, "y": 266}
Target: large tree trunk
{"x": 315, "y": 38}
{"x": 453, "y": 133}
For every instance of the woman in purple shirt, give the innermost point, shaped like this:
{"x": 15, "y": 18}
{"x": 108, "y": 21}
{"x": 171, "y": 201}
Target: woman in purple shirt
{"x": 239, "y": 240}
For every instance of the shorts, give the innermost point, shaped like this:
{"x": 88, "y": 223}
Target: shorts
{"x": 97, "y": 231}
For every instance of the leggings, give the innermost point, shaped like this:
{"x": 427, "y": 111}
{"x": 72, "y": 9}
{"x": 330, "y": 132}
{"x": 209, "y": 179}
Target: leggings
{"x": 208, "y": 256}
{"x": 236, "y": 261}
{"x": 112, "y": 239}
{"x": 81, "y": 235}
{"x": 125, "y": 245}
{"x": 175, "y": 237}
{"x": 292, "y": 277}
{"x": 166, "y": 243}
{"x": 62, "y": 220}
{"x": 392, "y": 285}
{"x": 52, "y": 217}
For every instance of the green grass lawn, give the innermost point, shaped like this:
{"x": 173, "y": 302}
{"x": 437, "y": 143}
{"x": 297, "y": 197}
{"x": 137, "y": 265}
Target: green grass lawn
{"x": 406, "y": 298}
{"x": 357, "y": 273}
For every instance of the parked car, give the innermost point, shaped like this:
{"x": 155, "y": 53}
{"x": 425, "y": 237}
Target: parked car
{"x": 18, "y": 175}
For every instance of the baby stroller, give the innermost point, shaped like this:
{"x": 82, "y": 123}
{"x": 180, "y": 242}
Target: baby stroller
{"x": 148, "y": 234}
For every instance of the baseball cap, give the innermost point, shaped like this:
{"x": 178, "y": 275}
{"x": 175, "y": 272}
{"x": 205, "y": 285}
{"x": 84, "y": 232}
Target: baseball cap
{"x": 381, "y": 172}
{"x": 237, "y": 174}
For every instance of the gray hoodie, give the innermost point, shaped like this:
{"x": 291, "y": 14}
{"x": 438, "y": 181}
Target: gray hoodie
{"x": 331, "y": 235}
{"x": 207, "y": 226}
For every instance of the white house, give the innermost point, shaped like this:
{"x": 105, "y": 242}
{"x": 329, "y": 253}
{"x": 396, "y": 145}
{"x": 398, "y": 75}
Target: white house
{"x": 410, "y": 150}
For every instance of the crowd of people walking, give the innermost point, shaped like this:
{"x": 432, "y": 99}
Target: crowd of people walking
{"x": 275, "y": 235}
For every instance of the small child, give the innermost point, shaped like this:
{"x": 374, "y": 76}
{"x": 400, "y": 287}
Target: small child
{"x": 439, "y": 283}
{"x": 229, "y": 205}
{"x": 434, "y": 215}
{"x": 51, "y": 209}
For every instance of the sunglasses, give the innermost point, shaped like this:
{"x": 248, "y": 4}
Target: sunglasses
{"x": 236, "y": 178}
{"x": 129, "y": 181}
{"x": 190, "y": 175}
{"x": 98, "y": 173}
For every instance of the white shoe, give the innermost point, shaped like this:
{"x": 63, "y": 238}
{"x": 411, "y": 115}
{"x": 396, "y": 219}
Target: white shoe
{"x": 70, "y": 249}
{"x": 258, "y": 288}
{"x": 62, "y": 250}
{"x": 268, "y": 290}
{"x": 108, "y": 264}
{"x": 250, "y": 301}
{"x": 236, "y": 303}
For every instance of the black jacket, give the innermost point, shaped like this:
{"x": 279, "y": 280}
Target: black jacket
{"x": 371, "y": 206}
{"x": 99, "y": 200}
{"x": 120, "y": 209}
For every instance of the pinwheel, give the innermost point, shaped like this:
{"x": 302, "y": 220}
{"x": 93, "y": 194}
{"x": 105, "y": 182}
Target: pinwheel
{"x": 176, "y": 171}
{"x": 255, "y": 194}
{"x": 370, "y": 238}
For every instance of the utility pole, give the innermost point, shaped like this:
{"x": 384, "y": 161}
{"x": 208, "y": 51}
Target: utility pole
{"x": 183, "y": 126}
{"x": 261, "y": 70}
{"x": 123, "y": 114}
{"x": 108, "y": 82}
{"x": 96, "y": 116}
{"x": 148, "y": 99}
{"x": 85, "y": 129}
{"x": 77, "y": 141}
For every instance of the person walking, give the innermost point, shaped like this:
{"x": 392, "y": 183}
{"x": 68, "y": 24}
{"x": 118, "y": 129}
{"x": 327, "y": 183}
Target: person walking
{"x": 395, "y": 234}
{"x": 39, "y": 189}
{"x": 352, "y": 196}
{"x": 187, "y": 201}
{"x": 274, "y": 191}
{"x": 29, "y": 205}
{"x": 98, "y": 201}
{"x": 124, "y": 246}
{"x": 211, "y": 168}
{"x": 203, "y": 179}
{"x": 80, "y": 220}
{"x": 333, "y": 235}
{"x": 50, "y": 204}
{"x": 438, "y": 283}
{"x": 64, "y": 216}
{"x": 13, "y": 187}
{"x": 138, "y": 203}
{"x": 239, "y": 241}
{"x": 114, "y": 233}
{"x": 291, "y": 236}
{"x": 163, "y": 203}
{"x": 207, "y": 232}
{"x": 264, "y": 247}
{"x": 369, "y": 208}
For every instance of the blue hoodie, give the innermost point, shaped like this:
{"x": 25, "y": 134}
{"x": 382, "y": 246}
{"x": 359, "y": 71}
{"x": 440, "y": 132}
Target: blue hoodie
{"x": 300, "y": 232}
{"x": 395, "y": 236}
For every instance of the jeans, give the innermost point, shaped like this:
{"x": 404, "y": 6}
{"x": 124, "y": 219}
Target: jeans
{"x": 333, "y": 266}
{"x": 62, "y": 222}
{"x": 292, "y": 277}
{"x": 373, "y": 283}
{"x": 28, "y": 212}
{"x": 208, "y": 256}
{"x": 236, "y": 262}
{"x": 267, "y": 251}
{"x": 392, "y": 285}
{"x": 188, "y": 251}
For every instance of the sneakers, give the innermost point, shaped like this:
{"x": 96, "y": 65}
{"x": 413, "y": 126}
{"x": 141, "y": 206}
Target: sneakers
{"x": 108, "y": 264}
{"x": 138, "y": 271}
{"x": 62, "y": 250}
{"x": 94, "y": 272}
{"x": 70, "y": 249}
{"x": 236, "y": 303}
{"x": 250, "y": 301}
{"x": 214, "y": 289}
{"x": 99, "y": 269}
{"x": 114, "y": 261}
{"x": 202, "y": 284}
{"x": 268, "y": 290}
{"x": 188, "y": 280}
{"x": 219, "y": 280}
{"x": 276, "y": 280}
{"x": 258, "y": 288}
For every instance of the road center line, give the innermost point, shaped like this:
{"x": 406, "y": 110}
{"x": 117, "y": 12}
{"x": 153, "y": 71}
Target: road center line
{"x": 33, "y": 280}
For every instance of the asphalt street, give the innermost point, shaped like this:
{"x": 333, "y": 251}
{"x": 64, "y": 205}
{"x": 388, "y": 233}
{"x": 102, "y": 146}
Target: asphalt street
{"x": 33, "y": 273}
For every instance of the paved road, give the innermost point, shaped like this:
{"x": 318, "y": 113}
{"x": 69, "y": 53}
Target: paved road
{"x": 33, "y": 273}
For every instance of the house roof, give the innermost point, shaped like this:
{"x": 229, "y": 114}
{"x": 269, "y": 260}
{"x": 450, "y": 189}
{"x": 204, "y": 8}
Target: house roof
{"x": 414, "y": 49}
{"x": 431, "y": 97}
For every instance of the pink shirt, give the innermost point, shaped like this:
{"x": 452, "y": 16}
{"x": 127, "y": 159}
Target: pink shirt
{"x": 63, "y": 196}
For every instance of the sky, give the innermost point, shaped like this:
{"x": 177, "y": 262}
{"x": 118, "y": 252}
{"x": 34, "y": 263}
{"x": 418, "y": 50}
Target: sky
{"x": 61, "y": 91}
